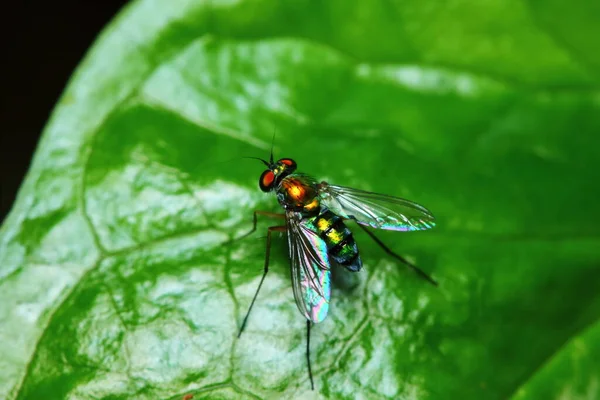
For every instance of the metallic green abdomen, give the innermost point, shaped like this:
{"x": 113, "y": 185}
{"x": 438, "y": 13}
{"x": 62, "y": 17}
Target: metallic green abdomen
{"x": 340, "y": 242}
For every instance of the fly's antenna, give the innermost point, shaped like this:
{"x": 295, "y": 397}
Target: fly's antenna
{"x": 271, "y": 162}
{"x": 263, "y": 161}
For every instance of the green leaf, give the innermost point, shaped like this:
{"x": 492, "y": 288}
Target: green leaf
{"x": 572, "y": 373}
{"x": 115, "y": 280}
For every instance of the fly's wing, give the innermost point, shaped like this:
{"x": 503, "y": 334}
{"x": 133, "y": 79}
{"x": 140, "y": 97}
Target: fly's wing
{"x": 310, "y": 269}
{"x": 376, "y": 210}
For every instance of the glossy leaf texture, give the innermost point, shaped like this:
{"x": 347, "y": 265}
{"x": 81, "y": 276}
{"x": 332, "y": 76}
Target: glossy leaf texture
{"x": 115, "y": 277}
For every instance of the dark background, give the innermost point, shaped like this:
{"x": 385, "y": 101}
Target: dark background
{"x": 43, "y": 43}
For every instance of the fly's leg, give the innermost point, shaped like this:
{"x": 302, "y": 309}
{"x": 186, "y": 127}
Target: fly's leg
{"x": 255, "y": 220}
{"x": 268, "y": 252}
{"x": 271, "y": 229}
{"x": 418, "y": 270}
{"x": 312, "y": 385}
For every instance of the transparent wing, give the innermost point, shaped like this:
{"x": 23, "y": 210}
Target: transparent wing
{"x": 376, "y": 210}
{"x": 310, "y": 269}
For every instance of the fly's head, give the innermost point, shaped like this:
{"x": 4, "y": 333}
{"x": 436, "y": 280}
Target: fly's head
{"x": 271, "y": 178}
{"x": 296, "y": 192}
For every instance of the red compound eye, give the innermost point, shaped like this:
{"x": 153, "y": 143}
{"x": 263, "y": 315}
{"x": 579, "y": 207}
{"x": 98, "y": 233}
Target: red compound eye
{"x": 291, "y": 164}
{"x": 266, "y": 180}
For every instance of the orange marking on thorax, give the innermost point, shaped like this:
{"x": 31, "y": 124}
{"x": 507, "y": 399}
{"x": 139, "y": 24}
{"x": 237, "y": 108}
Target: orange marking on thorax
{"x": 312, "y": 205}
{"x": 300, "y": 194}
{"x": 295, "y": 189}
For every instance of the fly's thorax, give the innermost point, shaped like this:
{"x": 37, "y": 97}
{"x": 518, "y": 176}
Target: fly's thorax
{"x": 298, "y": 193}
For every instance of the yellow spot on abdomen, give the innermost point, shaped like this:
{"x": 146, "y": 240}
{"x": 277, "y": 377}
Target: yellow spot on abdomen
{"x": 323, "y": 224}
{"x": 335, "y": 236}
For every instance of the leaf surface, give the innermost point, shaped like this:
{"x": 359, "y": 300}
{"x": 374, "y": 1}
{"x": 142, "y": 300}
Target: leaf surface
{"x": 115, "y": 280}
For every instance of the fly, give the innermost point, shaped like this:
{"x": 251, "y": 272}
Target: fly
{"x": 315, "y": 215}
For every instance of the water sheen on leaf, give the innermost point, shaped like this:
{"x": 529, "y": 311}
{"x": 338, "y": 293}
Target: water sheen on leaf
{"x": 115, "y": 280}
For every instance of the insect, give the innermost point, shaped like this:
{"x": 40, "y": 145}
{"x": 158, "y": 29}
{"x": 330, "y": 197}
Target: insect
{"x": 315, "y": 215}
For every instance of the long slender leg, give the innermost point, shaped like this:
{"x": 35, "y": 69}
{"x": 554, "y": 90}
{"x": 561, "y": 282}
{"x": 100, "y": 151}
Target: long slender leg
{"x": 255, "y": 220}
{"x": 312, "y": 385}
{"x": 418, "y": 270}
{"x": 267, "y": 255}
